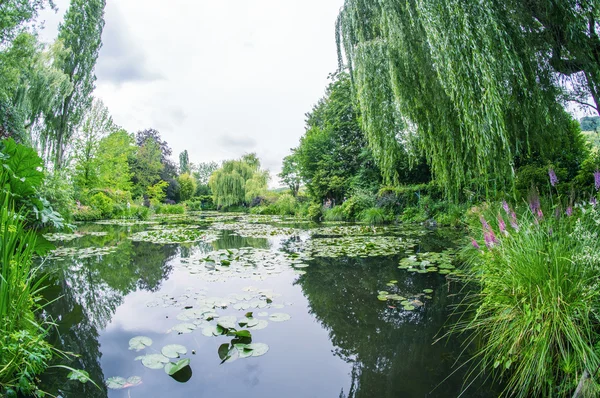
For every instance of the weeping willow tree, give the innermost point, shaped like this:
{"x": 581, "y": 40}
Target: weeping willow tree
{"x": 238, "y": 181}
{"x": 456, "y": 80}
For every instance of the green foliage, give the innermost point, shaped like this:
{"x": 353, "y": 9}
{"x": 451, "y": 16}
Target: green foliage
{"x": 169, "y": 209}
{"x": 147, "y": 166}
{"x": 238, "y": 182}
{"x": 156, "y": 192}
{"x": 200, "y": 203}
{"x": 102, "y": 203}
{"x": 356, "y": 204}
{"x": 471, "y": 99}
{"x": 59, "y": 192}
{"x": 536, "y": 308}
{"x": 187, "y": 186}
{"x": 23, "y": 351}
{"x": 290, "y": 174}
{"x": 113, "y": 156}
{"x": 81, "y": 33}
{"x": 87, "y": 213}
{"x": 184, "y": 163}
{"x": 373, "y": 216}
{"x": 315, "y": 211}
{"x": 286, "y": 204}
{"x": 334, "y": 214}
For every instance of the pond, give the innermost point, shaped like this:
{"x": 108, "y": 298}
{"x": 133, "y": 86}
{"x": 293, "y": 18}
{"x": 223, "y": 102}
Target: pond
{"x": 261, "y": 307}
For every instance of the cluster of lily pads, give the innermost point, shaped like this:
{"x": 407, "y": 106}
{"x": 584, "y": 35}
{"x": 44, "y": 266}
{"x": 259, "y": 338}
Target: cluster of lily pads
{"x": 172, "y": 235}
{"x": 63, "y": 237}
{"x": 248, "y": 262}
{"x": 59, "y": 254}
{"x": 248, "y": 230}
{"x": 423, "y": 263}
{"x": 126, "y": 222}
{"x": 355, "y": 246}
{"x": 408, "y": 303}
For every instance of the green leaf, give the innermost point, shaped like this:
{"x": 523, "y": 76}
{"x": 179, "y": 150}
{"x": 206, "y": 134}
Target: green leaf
{"x": 79, "y": 375}
{"x": 139, "y": 343}
{"x": 172, "y": 368}
{"x": 155, "y": 361}
{"x": 279, "y": 317}
{"x": 116, "y": 383}
{"x": 173, "y": 351}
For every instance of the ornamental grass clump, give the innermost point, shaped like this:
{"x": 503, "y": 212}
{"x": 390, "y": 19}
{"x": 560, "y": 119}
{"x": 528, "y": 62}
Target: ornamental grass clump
{"x": 536, "y": 309}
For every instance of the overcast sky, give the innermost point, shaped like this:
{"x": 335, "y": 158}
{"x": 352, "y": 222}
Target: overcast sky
{"x": 218, "y": 78}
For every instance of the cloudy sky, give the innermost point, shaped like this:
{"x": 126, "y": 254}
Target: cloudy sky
{"x": 218, "y": 78}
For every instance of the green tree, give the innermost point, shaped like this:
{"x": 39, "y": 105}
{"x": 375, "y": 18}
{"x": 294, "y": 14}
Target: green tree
{"x": 184, "y": 162}
{"x": 290, "y": 174}
{"x": 465, "y": 82}
{"x": 14, "y": 14}
{"x": 147, "y": 166}
{"x": 238, "y": 182}
{"x": 590, "y": 123}
{"x": 81, "y": 33}
{"x": 187, "y": 185}
{"x": 96, "y": 125}
{"x": 115, "y": 152}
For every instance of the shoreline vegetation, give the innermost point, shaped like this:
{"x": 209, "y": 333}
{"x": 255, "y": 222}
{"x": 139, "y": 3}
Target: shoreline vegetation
{"x": 432, "y": 118}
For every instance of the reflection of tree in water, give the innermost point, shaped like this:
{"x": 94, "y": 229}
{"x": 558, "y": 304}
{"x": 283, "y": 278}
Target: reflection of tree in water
{"x": 228, "y": 240}
{"x": 391, "y": 350}
{"x": 86, "y": 294}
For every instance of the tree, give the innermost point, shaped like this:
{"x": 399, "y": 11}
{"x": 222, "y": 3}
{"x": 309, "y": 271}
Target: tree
{"x": 203, "y": 171}
{"x": 146, "y": 166}
{"x": 14, "y": 14}
{"x": 115, "y": 152}
{"x": 238, "y": 182}
{"x": 184, "y": 162}
{"x": 431, "y": 77}
{"x": 96, "y": 125}
{"x": 590, "y": 123}
{"x": 290, "y": 174}
{"x": 81, "y": 33}
{"x": 187, "y": 185}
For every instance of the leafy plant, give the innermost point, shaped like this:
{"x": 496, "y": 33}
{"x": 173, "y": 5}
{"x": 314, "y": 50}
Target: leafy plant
{"x": 373, "y": 216}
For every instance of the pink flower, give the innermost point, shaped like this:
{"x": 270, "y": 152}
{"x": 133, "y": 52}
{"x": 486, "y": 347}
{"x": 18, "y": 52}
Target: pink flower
{"x": 553, "y": 177}
{"x": 597, "y": 179}
{"x": 501, "y": 224}
{"x": 475, "y": 244}
{"x": 569, "y": 211}
{"x": 505, "y": 207}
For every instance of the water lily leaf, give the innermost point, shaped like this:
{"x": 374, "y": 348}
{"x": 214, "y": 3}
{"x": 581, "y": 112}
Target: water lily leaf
{"x": 263, "y": 314}
{"x": 79, "y": 375}
{"x": 184, "y": 328}
{"x": 211, "y": 331}
{"x": 173, "y": 350}
{"x": 261, "y": 324}
{"x": 173, "y": 368}
{"x": 258, "y": 349}
{"x": 279, "y": 317}
{"x": 116, "y": 383}
{"x": 227, "y": 322}
{"x": 242, "y": 333}
{"x": 409, "y": 307}
{"x": 139, "y": 343}
{"x": 133, "y": 381}
{"x": 155, "y": 361}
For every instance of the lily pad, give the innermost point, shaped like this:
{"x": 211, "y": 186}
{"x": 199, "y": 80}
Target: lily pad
{"x": 279, "y": 317}
{"x": 139, "y": 343}
{"x": 173, "y": 368}
{"x": 428, "y": 291}
{"x": 227, "y": 322}
{"x": 258, "y": 349}
{"x": 155, "y": 361}
{"x": 116, "y": 383}
{"x": 173, "y": 350}
{"x": 184, "y": 328}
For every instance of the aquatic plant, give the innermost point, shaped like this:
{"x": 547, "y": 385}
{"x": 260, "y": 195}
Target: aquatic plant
{"x": 373, "y": 216}
{"x": 535, "y": 314}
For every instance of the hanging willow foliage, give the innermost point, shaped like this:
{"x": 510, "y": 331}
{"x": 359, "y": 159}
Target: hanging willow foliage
{"x": 238, "y": 181}
{"x": 453, "y": 79}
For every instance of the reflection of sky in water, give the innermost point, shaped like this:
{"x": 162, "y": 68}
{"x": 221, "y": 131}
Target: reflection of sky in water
{"x": 340, "y": 337}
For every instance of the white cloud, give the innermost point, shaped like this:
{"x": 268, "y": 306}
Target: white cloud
{"x": 217, "y": 78}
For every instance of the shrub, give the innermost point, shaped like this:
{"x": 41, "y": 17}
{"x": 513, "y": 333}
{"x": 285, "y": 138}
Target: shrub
{"x": 103, "y": 204}
{"x": 334, "y": 214}
{"x": 86, "y": 213}
{"x": 139, "y": 212}
{"x": 359, "y": 202}
{"x": 538, "y": 302}
{"x": 286, "y": 204}
{"x": 169, "y": 209}
{"x": 315, "y": 211}
{"x": 373, "y": 216}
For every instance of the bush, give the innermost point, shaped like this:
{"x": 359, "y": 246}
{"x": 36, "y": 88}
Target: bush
{"x": 537, "y": 307}
{"x": 359, "y": 202}
{"x": 334, "y": 214}
{"x": 315, "y": 211}
{"x": 169, "y": 209}
{"x": 139, "y": 212}
{"x": 373, "y": 216}
{"x": 286, "y": 204}
{"x": 103, "y": 204}
{"x": 86, "y": 213}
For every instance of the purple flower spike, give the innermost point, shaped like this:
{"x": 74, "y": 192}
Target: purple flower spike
{"x": 513, "y": 221}
{"x": 475, "y": 244}
{"x": 569, "y": 211}
{"x": 593, "y": 201}
{"x": 534, "y": 204}
{"x": 484, "y": 223}
{"x": 540, "y": 214}
{"x": 490, "y": 239}
{"x": 505, "y": 207}
{"x": 501, "y": 224}
{"x": 597, "y": 179}
{"x": 553, "y": 177}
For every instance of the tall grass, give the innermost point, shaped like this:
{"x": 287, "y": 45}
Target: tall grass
{"x": 535, "y": 317}
{"x": 23, "y": 351}
{"x": 373, "y": 216}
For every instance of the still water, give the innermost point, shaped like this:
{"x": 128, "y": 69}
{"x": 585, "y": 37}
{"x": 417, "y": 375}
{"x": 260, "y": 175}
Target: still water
{"x": 340, "y": 340}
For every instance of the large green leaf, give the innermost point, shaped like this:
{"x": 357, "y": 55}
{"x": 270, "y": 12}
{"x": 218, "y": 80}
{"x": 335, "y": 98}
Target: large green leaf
{"x": 24, "y": 168}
